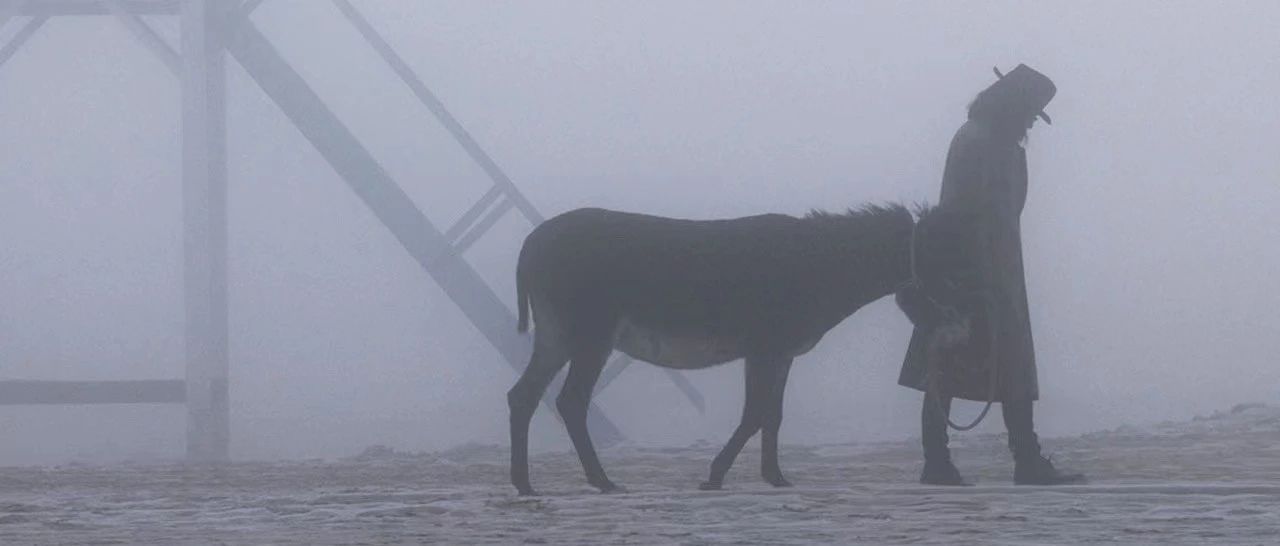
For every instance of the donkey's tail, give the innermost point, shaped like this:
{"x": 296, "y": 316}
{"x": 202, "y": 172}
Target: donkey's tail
{"x": 522, "y": 298}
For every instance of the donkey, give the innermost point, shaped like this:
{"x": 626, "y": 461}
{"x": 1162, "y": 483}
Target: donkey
{"x": 689, "y": 294}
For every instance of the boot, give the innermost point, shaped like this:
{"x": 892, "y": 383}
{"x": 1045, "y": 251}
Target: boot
{"x": 941, "y": 472}
{"x": 1039, "y": 470}
{"x": 938, "y": 469}
{"x": 1030, "y": 467}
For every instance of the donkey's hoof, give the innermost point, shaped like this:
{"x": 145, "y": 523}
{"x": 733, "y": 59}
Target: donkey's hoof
{"x": 527, "y": 492}
{"x": 607, "y": 486}
{"x": 778, "y": 481}
{"x": 709, "y": 486}
{"x": 610, "y": 487}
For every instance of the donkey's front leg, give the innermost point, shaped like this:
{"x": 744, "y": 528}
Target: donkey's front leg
{"x": 573, "y": 401}
{"x": 772, "y": 422}
{"x": 759, "y": 376}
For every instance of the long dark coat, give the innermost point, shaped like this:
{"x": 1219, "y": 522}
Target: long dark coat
{"x": 988, "y": 178}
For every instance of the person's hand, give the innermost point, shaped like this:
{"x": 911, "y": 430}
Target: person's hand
{"x": 952, "y": 334}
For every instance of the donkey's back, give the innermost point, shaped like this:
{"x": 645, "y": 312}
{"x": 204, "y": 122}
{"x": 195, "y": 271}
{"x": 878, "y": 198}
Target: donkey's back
{"x": 594, "y": 241}
{"x": 635, "y": 274}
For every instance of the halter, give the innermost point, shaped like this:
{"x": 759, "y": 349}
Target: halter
{"x": 948, "y": 311}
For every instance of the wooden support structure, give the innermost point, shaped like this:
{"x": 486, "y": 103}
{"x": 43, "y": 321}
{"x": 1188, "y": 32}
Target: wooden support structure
{"x": 210, "y": 29}
{"x": 200, "y": 68}
{"x": 467, "y": 230}
{"x": 384, "y": 197}
{"x": 204, "y": 216}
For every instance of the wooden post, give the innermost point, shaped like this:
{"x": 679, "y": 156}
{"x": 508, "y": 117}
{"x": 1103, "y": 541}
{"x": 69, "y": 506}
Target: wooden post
{"x": 204, "y": 213}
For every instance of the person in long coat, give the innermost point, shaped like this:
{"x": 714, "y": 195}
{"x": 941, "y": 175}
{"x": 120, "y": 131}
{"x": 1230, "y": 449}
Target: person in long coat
{"x": 985, "y": 178}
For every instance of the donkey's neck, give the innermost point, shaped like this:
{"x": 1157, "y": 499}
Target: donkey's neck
{"x": 870, "y": 269}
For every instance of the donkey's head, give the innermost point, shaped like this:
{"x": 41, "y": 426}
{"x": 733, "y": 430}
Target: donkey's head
{"x": 946, "y": 274}
{"x": 884, "y": 247}
{"x": 946, "y": 247}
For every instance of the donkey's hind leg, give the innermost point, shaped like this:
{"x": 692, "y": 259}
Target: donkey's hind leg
{"x": 573, "y": 401}
{"x": 759, "y": 374}
{"x": 523, "y": 399}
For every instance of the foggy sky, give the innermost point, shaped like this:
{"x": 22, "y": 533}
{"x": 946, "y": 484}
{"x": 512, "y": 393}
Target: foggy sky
{"x": 1149, "y": 228}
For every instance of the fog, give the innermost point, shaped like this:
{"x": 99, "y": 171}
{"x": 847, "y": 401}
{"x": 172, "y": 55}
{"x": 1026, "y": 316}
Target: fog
{"x": 1149, "y": 230}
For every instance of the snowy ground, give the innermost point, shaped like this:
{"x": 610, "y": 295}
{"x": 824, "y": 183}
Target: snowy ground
{"x": 1214, "y": 479}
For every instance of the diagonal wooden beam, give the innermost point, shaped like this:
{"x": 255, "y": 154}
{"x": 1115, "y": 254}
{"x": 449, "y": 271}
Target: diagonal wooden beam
{"x": 612, "y": 369}
{"x": 691, "y": 392}
{"x": 385, "y": 198}
{"x": 9, "y": 9}
{"x": 10, "y": 49}
{"x": 469, "y": 217}
{"x": 469, "y": 238}
{"x": 437, "y": 108}
{"x": 620, "y": 362}
{"x": 249, "y": 5}
{"x": 146, "y": 35}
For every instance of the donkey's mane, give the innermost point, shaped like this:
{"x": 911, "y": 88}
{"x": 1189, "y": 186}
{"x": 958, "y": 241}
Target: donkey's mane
{"x": 867, "y": 218}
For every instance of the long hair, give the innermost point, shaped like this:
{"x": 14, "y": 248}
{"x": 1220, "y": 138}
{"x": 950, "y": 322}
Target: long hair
{"x": 1003, "y": 112}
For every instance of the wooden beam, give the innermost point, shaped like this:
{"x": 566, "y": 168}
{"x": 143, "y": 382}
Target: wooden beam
{"x": 691, "y": 392}
{"x": 619, "y": 363}
{"x": 469, "y": 217}
{"x": 386, "y": 199}
{"x": 612, "y": 369}
{"x": 52, "y": 8}
{"x": 204, "y": 214}
{"x": 433, "y": 103}
{"x": 147, "y": 36}
{"x": 92, "y": 392}
{"x": 10, "y": 49}
{"x": 10, "y": 9}
{"x": 483, "y": 226}
{"x": 249, "y": 5}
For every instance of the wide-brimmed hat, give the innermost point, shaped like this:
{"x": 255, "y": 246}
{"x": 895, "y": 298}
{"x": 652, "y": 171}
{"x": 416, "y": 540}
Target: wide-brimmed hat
{"x": 1030, "y": 88}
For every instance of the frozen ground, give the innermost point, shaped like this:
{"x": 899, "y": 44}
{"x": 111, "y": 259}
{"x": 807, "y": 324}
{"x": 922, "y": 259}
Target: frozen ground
{"x": 1211, "y": 480}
